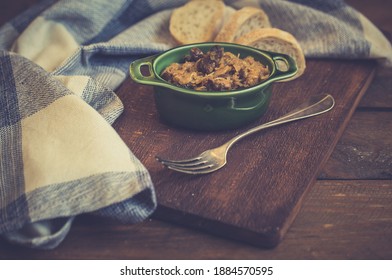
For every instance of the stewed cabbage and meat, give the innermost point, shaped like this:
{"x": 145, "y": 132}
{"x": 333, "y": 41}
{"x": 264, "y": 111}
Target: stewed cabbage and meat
{"x": 215, "y": 70}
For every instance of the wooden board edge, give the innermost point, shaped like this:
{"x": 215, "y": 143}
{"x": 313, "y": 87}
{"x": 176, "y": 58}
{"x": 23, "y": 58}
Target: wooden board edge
{"x": 357, "y": 100}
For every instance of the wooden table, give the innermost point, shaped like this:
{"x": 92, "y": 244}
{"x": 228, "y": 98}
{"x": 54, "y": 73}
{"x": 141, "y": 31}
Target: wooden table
{"x": 347, "y": 214}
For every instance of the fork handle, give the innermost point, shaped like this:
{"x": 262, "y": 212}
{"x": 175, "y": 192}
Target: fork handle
{"x": 316, "y": 106}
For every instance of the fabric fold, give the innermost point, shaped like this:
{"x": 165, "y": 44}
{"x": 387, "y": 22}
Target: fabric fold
{"x": 60, "y": 156}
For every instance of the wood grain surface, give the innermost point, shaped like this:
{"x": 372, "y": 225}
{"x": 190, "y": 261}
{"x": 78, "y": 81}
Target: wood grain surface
{"x": 339, "y": 220}
{"x": 257, "y": 195}
{"x": 347, "y": 214}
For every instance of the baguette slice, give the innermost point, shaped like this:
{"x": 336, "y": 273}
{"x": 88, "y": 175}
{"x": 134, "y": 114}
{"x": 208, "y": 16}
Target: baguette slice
{"x": 196, "y": 21}
{"x": 241, "y": 22}
{"x": 276, "y": 40}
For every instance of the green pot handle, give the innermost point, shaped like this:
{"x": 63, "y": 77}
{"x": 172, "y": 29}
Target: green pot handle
{"x": 135, "y": 71}
{"x": 285, "y": 67}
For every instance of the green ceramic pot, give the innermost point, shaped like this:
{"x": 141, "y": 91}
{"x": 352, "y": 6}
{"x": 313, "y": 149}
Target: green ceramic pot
{"x": 211, "y": 110}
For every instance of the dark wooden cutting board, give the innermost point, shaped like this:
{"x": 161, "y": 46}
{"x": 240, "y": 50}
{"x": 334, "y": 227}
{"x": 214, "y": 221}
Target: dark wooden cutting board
{"x": 257, "y": 195}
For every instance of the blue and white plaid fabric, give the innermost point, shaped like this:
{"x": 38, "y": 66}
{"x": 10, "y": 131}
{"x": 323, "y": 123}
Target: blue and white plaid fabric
{"x": 60, "y": 64}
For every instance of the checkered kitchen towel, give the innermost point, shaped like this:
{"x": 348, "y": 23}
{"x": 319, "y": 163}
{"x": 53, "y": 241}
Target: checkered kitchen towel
{"x": 59, "y": 64}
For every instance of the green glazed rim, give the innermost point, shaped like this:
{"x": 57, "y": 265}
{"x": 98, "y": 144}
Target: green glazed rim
{"x": 157, "y": 63}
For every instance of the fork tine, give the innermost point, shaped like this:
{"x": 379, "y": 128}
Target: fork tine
{"x": 190, "y": 166}
{"x": 203, "y": 169}
{"x": 183, "y": 161}
{"x": 193, "y": 163}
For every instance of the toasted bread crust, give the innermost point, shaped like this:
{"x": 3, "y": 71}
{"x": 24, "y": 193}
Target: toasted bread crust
{"x": 191, "y": 23}
{"x": 241, "y": 19}
{"x": 273, "y": 39}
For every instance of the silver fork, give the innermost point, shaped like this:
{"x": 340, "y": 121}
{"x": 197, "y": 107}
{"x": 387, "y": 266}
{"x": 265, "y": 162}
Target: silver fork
{"x": 214, "y": 159}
